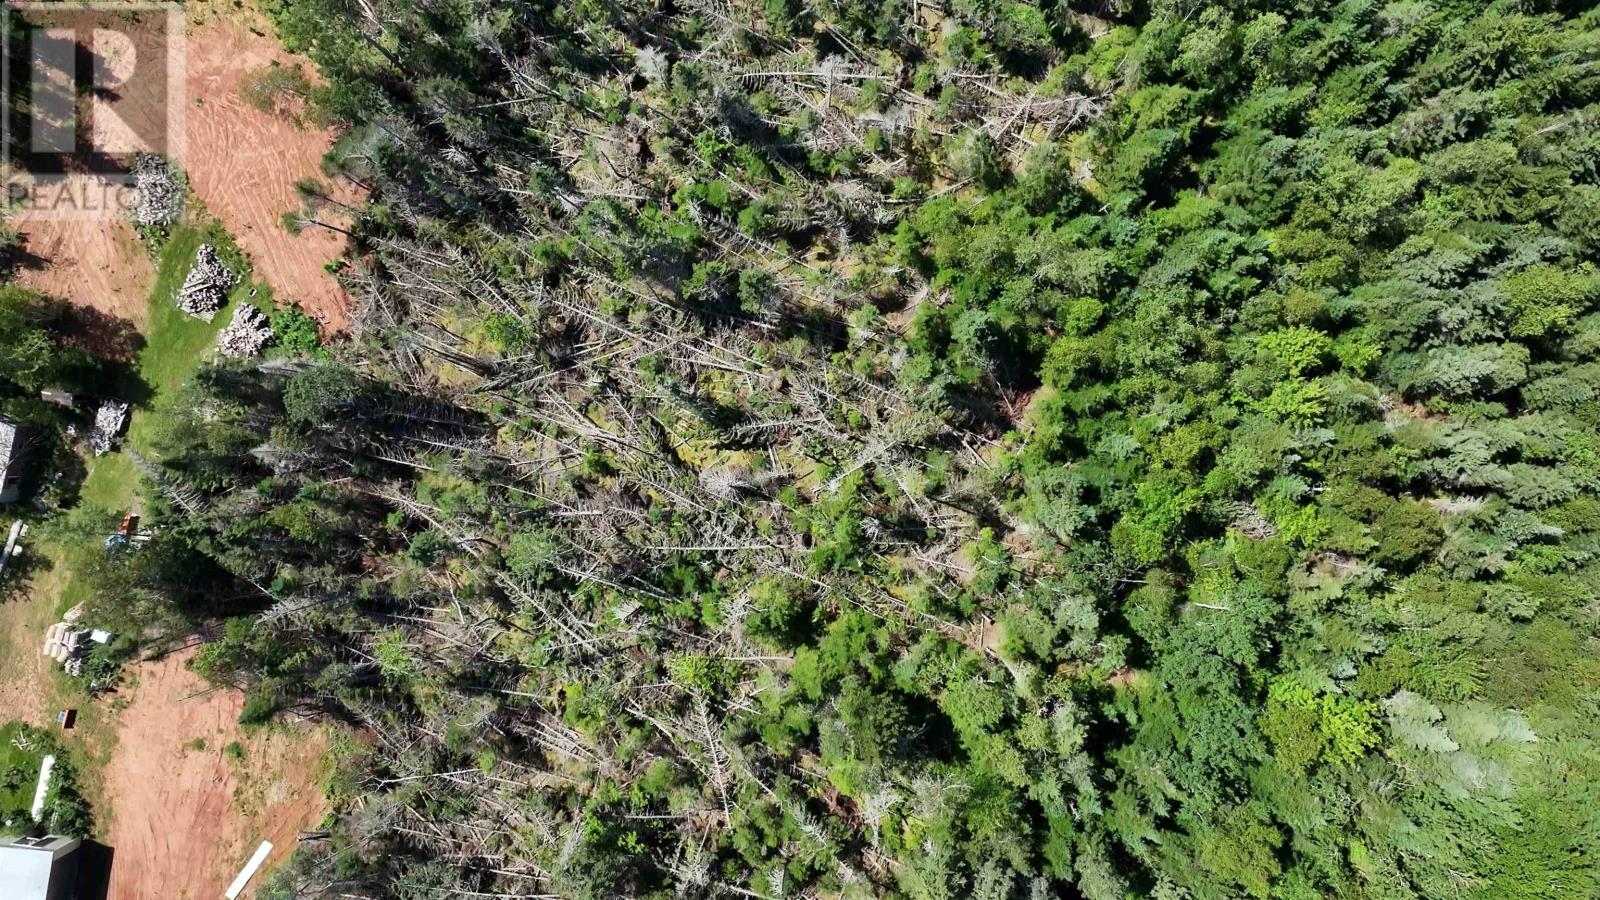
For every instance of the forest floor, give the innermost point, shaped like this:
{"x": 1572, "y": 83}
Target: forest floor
{"x": 180, "y": 791}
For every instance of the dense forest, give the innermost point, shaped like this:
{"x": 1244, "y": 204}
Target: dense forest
{"x": 932, "y": 450}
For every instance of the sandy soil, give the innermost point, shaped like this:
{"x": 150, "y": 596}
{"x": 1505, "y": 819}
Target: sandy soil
{"x": 98, "y": 265}
{"x": 243, "y": 163}
{"x": 183, "y": 819}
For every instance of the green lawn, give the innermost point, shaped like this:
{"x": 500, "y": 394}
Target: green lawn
{"x": 176, "y": 343}
{"x": 110, "y": 482}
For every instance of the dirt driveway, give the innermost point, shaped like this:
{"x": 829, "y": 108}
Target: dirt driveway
{"x": 186, "y": 811}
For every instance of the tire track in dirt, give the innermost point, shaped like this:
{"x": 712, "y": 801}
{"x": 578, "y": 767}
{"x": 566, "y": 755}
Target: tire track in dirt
{"x": 243, "y": 164}
{"x": 185, "y": 817}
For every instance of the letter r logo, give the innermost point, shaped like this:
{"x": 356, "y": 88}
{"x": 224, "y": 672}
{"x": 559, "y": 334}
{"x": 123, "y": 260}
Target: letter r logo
{"x": 89, "y": 88}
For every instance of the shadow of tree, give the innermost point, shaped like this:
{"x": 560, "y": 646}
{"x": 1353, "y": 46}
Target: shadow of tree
{"x": 15, "y": 256}
{"x": 23, "y": 568}
{"x": 106, "y": 336}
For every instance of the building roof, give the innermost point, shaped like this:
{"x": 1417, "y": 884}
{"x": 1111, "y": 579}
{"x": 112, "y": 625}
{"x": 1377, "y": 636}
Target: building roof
{"x": 12, "y": 447}
{"x": 26, "y": 865}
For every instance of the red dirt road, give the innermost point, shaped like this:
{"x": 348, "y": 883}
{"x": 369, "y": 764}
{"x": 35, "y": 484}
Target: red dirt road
{"x": 185, "y": 819}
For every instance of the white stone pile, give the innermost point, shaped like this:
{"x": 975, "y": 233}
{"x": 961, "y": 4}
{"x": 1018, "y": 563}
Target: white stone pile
{"x": 205, "y": 290}
{"x": 62, "y": 642}
{"x": 246, "y": 334}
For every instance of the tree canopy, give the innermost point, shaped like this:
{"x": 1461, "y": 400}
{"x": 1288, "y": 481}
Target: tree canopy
{"x": 970, "y": 449}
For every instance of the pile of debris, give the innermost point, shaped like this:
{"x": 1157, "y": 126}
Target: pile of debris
{"x": 109, "y": 421}
{"x": 205, "y": 290}
{"x": 246, "y": 334}
{"x": 68, "y": 644}
{"x": 158, "y": 192}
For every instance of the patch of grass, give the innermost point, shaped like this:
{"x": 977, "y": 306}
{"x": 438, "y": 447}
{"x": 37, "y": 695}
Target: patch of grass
{"x": 111, "y": 483}
{"x": 72, "y": 556}
{"x": 176, "y": 342}
{"x": 65, "y": 810}
{"x": 93, "y": 736}
{"x": 19, "y": 773}
{"x": 234, "y": 751}
{"x": 175, "y": 345}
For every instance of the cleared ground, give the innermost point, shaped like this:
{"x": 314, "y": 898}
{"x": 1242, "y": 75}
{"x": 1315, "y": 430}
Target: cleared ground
{"x": 243, "y": 164}
{"x": 180, "y": 811}
{"x": 189, "y": 814}
{"x": 97, "y": 265}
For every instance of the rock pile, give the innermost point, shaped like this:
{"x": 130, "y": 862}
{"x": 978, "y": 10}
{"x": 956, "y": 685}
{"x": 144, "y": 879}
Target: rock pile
{"x": 246, "y": 334}
{"x": 157, "y": 190}
{"x": 205, "y": 290}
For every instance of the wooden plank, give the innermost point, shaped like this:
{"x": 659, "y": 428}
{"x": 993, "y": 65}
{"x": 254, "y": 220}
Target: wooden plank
{"x": 46, "y": 766}
{"x": 249, "y": 870}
